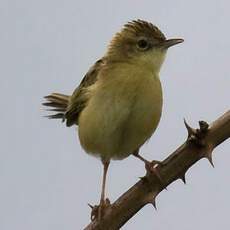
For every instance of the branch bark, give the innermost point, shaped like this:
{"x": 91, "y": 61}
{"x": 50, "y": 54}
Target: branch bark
{"x": 199, "y": 144}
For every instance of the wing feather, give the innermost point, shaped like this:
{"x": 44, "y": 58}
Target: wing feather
{"x": 77, "y": 100}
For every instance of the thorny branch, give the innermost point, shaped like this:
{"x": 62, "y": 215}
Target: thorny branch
{"x": 199, "y": 144}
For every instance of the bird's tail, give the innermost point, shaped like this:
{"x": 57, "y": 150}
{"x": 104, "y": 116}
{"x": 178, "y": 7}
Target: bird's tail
{"x": 57, "y": 103}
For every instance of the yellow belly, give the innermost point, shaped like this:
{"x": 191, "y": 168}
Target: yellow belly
{"x": 120, "y": 116}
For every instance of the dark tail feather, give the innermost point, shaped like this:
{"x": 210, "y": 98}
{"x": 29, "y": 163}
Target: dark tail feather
{"x": 57, "y": 103}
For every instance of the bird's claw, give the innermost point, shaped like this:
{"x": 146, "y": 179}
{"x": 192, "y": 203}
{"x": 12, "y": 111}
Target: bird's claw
{"x": 98, "y": 211}
{"x": 153, "y": 168}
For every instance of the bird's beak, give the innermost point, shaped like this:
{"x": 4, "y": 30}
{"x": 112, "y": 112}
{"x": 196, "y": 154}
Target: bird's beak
{"x": 171, "y": 42}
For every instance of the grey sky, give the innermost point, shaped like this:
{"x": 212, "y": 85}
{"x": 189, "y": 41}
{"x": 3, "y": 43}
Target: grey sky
{"x": 46, "y": 46}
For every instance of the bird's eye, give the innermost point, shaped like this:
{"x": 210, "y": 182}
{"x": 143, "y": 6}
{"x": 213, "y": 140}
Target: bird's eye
{"x": 142, "y": 44}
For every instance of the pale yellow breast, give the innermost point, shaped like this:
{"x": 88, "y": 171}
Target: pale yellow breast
{"x": 122, "y": 113}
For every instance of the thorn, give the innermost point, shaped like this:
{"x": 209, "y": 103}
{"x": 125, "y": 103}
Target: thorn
{"x": 183, "y": 178}
{"x": 91, "y": 206}
{"x": 154, "y": 204}
{"x": 143, "y": 178}
{"x": 190, "y": 130}
{"x": 209, "y": 157}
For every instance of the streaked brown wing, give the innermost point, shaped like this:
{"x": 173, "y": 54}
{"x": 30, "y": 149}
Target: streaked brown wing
{"x": 77, "y": 100}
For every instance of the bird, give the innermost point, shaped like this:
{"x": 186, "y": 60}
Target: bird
{"x": 118, "y": 104}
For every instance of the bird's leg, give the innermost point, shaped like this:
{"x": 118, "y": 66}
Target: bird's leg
{"x": 103, "y": 202}
{"x": 105, "y": 169}
{"x": 97, "y": 211}
{"x": 151, "y": 166}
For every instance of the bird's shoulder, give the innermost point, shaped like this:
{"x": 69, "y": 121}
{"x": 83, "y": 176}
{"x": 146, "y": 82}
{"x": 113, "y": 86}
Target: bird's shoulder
{"x": 78, "y": 100}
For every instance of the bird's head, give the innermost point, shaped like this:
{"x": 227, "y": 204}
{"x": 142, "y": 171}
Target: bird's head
{"x": 142, "y": 43}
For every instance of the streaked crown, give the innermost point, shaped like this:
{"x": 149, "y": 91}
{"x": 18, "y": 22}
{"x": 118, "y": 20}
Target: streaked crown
{"x": 135, "y": 36}
{"x": 142, "y": 28}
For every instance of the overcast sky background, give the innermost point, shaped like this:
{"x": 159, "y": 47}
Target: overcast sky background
{"x": 47, "y": 46}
